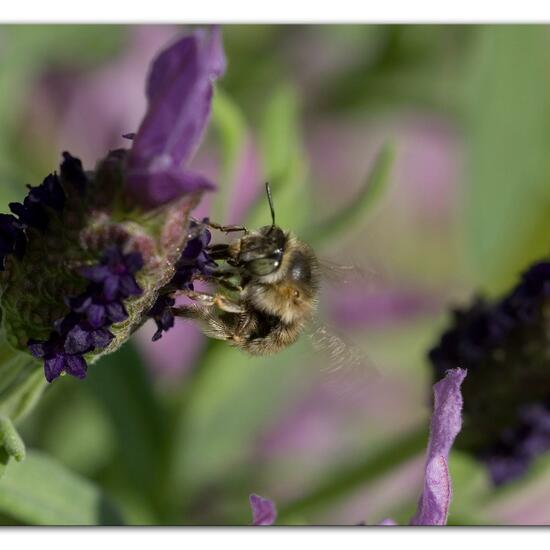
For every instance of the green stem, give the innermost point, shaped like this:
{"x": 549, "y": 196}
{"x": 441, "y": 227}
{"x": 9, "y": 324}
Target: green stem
{"x": 358, "y": 209}
{"x": 353, "y": 476}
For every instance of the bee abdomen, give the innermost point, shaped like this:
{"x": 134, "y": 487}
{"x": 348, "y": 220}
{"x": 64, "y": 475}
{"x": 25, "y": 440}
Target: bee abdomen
{"x": 271, "y": 335}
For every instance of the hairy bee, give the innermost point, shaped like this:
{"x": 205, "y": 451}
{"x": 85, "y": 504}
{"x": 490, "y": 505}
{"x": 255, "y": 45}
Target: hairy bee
{"x": 270, "y": 283}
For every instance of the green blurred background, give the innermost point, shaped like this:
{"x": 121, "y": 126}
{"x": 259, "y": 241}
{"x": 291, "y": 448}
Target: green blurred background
{"x": 449, "y": 124}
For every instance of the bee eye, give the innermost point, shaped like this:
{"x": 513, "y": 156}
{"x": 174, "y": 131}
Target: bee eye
{"x": 263, "y": 266}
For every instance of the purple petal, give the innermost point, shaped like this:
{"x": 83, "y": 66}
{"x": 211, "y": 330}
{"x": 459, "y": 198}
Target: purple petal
{"x": 75, "y": 365}
{"x": 95, "y": 273}
{"x": 101, "y": 338}
{"x": 446, "y": 422}
{"x": 263, "y": 510}
{"x": 128, "y": 286}
{"x": 37, "y": 347}
{"x": 53, "y": 367}
{"x": 158, "y": 185}
{"x": 133, "y": 261}
{"x": 96, "y": 315}
{"x": 110, "y": 287}
{"x": 77, "y": 341}
{"x": 79, "y": 304}
{"x": 179, "y": 92}
{"x": 388, "y": 521}
{"x": 116, "y": 312}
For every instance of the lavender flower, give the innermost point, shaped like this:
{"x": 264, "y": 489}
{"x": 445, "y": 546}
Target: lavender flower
{"x": 446, "y": 422}
{"x": 504, "y": 347}
{"x": 88, "y": 254}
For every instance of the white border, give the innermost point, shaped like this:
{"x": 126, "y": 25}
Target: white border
{"x": 253, "y": 538}
{"x": 274, "y": 11}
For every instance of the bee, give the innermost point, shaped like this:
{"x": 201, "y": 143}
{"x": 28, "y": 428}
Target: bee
{"x": 271, "y": 281}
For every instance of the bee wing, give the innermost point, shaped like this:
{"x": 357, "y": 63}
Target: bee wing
{"x": 346, "y": 367}
{"x": 338, "y": 274}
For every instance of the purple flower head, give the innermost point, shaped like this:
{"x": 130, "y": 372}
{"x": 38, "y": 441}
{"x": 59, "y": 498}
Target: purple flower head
{"x": 69, "y": 292}
{"x": 263, "y": 510}
{"x": 506, "y": 401}
{"x": 433, "y": 506}
{"x": 179, "y": 93}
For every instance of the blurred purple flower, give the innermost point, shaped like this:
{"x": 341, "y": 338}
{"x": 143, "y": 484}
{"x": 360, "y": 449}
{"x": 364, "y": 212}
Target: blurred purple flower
{"x": 356, "y": 307}
{"x": 263, "y": 510}
{"x": 179, "y": 92}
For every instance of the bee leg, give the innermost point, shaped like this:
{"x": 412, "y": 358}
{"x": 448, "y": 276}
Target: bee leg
{"x": 229, "y": 285}
{"x": 219, "y": 251}
{"x": 221, "y": 278}
{"x": 227, "y": 228}
{"x": 218, "y": 300}
{"x": 209, "y": 323}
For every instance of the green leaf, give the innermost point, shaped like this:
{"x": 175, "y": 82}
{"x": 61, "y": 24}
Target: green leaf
{"x": 230, "y": 125}
{"x": 41, "y": 491}
{"x": 125, "y": 390}
{"x": 21, "y": 381}
{"x": 10, "y": 440}
{"x": 507, "y": 205}
{"x": 359, "y": 208}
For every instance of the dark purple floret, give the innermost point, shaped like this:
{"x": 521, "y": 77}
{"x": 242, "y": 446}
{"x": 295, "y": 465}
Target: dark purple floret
{"x": 194, "y": 262}
{"x": 31, "y": 213}
{"x": 49, "y": 192}
{"x": 161, "y": 312}
{"x": 12, "y": 238}
{"x": 503, "y": 345}
{"x": 84, "y": 338}
{"x": 116, "y": 273}
{"x": 56, "y": 357}
{"x": 511, "y": 456}
{"x": 73, "y": 172}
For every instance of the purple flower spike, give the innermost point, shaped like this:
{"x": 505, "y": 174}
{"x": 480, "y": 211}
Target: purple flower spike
{"x": 446, "y": 422}
{"x": 263, "y": 510}
{"x": 179, "y": 93}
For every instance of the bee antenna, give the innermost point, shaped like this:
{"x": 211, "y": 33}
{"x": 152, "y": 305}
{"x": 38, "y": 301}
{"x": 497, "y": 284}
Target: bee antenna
{"x": 270, "y": 200}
